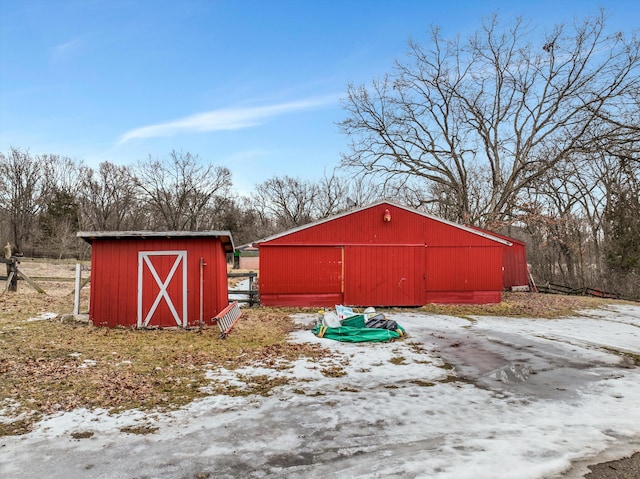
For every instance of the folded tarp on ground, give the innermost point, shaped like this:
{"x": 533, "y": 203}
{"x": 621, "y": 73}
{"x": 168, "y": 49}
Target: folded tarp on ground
{"x": 354, "y": 330}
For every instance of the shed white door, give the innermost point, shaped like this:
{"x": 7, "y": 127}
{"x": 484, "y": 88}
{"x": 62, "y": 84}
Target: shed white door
{"x": 162, "y": 288}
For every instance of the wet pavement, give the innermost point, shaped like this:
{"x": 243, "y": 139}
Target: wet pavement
{"x": 528, "y": 367}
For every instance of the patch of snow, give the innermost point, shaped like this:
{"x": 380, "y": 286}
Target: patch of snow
{"x": 44, "y": 317}
{"x": 432, "y": 405}
{"x": 87, "y": 363}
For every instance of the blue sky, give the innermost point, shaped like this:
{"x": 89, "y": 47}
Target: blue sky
{"x": 251, "y": 85}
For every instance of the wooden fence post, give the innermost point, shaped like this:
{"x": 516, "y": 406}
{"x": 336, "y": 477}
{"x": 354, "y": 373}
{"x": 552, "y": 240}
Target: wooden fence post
{"x": 76, "y": 296}
{"x": 13, "y": 283}
{"x": 12, "y": 268}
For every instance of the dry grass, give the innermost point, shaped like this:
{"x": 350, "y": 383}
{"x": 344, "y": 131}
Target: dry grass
{"x": 522, "y": 305}
{"x": 50, "y": 366}
{"x": 37, "y": 268}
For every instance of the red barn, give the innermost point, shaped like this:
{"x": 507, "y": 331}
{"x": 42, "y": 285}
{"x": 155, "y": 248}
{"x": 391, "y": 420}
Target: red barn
{"x": 381, "y": 255}
{"x": 157, "y": 279}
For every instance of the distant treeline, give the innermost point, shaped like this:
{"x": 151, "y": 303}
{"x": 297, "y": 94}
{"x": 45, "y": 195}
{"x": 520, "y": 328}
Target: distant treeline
{"x": 534, "y": 133}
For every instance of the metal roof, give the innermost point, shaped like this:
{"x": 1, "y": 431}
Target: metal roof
{"x": 224, "y": 236}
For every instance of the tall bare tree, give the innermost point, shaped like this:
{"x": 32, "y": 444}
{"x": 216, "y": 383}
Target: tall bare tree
{"x": 621, "y": 228}
{"x": 288, "y": 201}
{"x": 21, "y": 186}
{"x": 58, "y": 220}
{"x": 58, "y": 224}
{"x": 481, "y": 120}
{"x": 109, "y": 198}
{"x": 178, "y": 190}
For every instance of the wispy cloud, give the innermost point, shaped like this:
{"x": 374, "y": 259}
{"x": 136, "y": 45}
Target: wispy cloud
{"x": 66, "y": 50}
{"x": 225, "y": 119}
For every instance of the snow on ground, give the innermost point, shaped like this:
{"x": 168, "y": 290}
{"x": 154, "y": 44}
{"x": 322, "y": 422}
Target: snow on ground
{"x": 241, "y": 298}
{"x": 43, "y": 317}
{"x": 478, "y": 398}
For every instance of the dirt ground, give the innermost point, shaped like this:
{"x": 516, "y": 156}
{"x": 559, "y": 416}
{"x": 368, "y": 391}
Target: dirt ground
{"x": 627, "y": 468}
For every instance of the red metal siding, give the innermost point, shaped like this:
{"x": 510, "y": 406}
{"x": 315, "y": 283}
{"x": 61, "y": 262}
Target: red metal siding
{"x": 384, "y": 275}
{"x": 114, "y": 280}
{"x": 301, "y": 276}
{"x": 301, "y": 300}
{"x": 514, "y": 261}
{"x": 113, "y": 283}
{"x": 385, "y": 262}
{"x": 463, "y": 297}
{"x": 464, "y": 268}
{"x": 464, "y": 274}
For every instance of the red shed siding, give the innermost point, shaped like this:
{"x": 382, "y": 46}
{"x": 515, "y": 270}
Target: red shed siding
{"x": 514, "y": 261}
{"x": 464, "y": 268}
{"x": 463, "y": 297}
{"x": 114, "y": 280}
{"x": 301, "y": 276}
{"x": 301, "y": 270}
{"x": 384, "y": 275}
{"x": 407, "y": 261}
{"x": 464, "y": 274}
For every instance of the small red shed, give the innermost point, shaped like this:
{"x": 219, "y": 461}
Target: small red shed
{"x": 157, "y": 279}
{"x": 381, "y": 255}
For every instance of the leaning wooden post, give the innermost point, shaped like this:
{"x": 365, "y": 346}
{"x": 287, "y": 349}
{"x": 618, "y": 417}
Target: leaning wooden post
{"x": 12, "y": 269}
{"x": 13, "y": 285}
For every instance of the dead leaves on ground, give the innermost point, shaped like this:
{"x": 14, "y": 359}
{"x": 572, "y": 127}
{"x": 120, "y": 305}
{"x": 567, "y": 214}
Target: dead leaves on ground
{"x": 522, "y": 305}
{"x": 52, "y": 366}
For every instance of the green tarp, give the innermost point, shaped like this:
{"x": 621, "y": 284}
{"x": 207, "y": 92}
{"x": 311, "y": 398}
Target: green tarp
{"x": 353, "y": 330}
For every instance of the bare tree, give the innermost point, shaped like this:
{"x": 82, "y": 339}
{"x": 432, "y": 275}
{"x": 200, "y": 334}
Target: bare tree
{"x": 58, "y": 220}
{"x": 284, "y": 202}
{"x": 364, "y": 190}
{"x": 21, "y": 185}
{"x": 482, "y": 120}
{"x": 332, "y": 195}
{"x": 178, "y": 191}
{"x": 621, "y": 228}
{"x": 242, "y": 218}
{"x": 109, "y": 198}
{"x": 58, "y": 224}
{"x": 288, "y": 201}
{"x": 578, "y": 214}
{"x": 59, "y": 173}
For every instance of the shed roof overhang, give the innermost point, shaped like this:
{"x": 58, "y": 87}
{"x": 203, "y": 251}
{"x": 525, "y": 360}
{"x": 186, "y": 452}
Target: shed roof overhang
{"x": 225, "y": 236}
